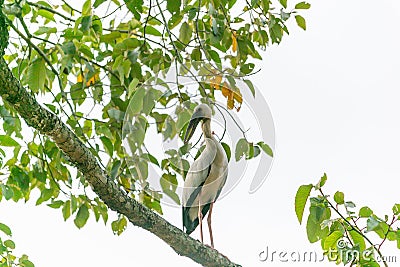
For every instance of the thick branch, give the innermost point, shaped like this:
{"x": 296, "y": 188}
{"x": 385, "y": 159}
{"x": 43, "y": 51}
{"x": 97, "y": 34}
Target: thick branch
{"x": 79, "y": 155}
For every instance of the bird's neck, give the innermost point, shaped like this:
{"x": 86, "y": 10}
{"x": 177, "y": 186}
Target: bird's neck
{"x": 206, "y": 127}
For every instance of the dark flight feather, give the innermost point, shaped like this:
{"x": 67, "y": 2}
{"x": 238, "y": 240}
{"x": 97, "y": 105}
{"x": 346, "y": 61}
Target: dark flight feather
{"x": 187, "y": 223}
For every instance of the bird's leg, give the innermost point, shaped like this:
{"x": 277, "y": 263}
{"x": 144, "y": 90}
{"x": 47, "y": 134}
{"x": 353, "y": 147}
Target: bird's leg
{"x": 209, "y": 224}
{"x": 200, "y": 217}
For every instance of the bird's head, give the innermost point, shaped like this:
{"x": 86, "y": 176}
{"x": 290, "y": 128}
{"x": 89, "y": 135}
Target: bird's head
{"x": 201, "y": 113}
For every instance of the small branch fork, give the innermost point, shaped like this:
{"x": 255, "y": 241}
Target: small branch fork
{"x": 355, "y": 228}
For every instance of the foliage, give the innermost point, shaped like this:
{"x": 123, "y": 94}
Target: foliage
{"x": 92, "y": 66}
{"x": 346, "y": 237}
{"x": 8, "y": 259}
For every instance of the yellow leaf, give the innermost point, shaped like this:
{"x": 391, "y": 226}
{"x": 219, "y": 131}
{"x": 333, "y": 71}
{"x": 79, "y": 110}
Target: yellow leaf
{"x": 218, "y": 80}
{"x": 93, "y": 80}
{"x": 231, "y": 96}
{"x": 125, "y": 182}
{"x": 79, "y": 79}
{"x": 230, "y": 102}
{"x": 238, "y": 97}
{"x": 234, "y": 42}
{"x": 226, "y": 91}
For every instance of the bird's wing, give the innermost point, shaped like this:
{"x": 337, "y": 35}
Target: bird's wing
{"x": 195, "y": 179}
{"x": 197, "y": 175}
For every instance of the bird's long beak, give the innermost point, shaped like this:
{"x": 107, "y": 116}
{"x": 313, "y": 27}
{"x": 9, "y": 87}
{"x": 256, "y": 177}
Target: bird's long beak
{"x": 194, "y": 121}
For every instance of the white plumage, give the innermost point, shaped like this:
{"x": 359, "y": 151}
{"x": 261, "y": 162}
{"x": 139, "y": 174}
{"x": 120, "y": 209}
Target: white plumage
{"x": 206, "y": 176}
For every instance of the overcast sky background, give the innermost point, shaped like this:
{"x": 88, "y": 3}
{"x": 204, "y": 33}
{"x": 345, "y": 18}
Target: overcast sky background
{"x": 334, "y": 95}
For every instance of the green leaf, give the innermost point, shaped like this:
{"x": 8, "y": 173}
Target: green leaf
{"x": 372, "y": 223}
{"x": 37, "y": 75}
{"x": 110, "y": 38}
{"x": 69, "y": 48}
{"x": 119, "y": 225}
{"x": 192, "y": 13}
{"x": 301, "y": 22}
{"x": 365, "y": 212}
{"x": 26, "y": 263}
{"x": 56, "y": 204}
{"x": 5, "y": 229}
{"x": 357, "y": 239}
{"x": 136, "y": 7}
{"x": 301, "y": 199}
{"x": 201, "y": 149}
{"x": 398, "y": 238}
{"x": 97, "y": 3}
{"x": 173, "y": 6}
{"x": 227, "y": 150}
{"x": 10, "y": 244}
{"x": 169, "y": 184}
{"x": 136, "y": 104}
{"x": 7, "y": 192}
{"x": 257, "y": 150}
{"x": 183, "y": 120}
{"x": 242, "y": 147}
{"x": 86, "y": 23}
{"x": 86, "y": 50}
{"x": 88, "y": 128}
{"x": 6, "y": 140}
{"x": 321, "y": 182}
{"x": 266, "y": 148}
{"x": 46, "y": 14}
{"x": 21, "y": 177}
{"x": 45, "y": 195}
{"x": 66, "y": 210}
{"x": 82, "y": 216}
{"x": 214, "y": 56}
{"x": 283, "y": 3}
{"x": 250, "y": 152}
{"x": 107, "y": 145}
{"x": 314, "y": 231}
{"x": 114, "y": 169}
{"x": 332, "y": 240}
{"x": 174, "y": 21}
{"x": 185, "y": 33}
{"x": 247, "y": 68}
{"x": 116, "y": 114}
{"x": 396, "y": 209}
{"x": 87, "y": 8}
{"x": 251, "y": 87}
{"x": 44, "y": 29}
{"x": 132, "y": 86}
{"x": 339, "y": 197}
{"x": 151, "y": 158}
{"x": 349, "y": 204}
{"x": 152, "y": 31}
{"x": 302, "y": 5}
{"x": 174, "y": 196}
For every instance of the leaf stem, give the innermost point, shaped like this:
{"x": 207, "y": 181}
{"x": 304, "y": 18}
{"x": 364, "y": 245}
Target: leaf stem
{"x": 354, "y": 228}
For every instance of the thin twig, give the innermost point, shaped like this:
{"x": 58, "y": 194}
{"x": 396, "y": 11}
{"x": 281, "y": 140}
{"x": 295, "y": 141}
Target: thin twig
{"x": 52, "y": 10}
{"x": 353, "y": 227}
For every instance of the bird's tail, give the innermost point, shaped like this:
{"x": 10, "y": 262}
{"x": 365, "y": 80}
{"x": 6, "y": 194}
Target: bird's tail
{"x": 187, "y": 222}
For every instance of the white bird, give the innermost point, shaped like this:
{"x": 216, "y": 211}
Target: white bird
{"x": 206, "y": 176}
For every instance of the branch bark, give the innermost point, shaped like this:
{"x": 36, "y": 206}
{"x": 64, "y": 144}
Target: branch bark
{"x": 80, "y": 156}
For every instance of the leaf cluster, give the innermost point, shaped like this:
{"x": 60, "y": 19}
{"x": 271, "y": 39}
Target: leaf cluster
{"x": 344, "y": 233}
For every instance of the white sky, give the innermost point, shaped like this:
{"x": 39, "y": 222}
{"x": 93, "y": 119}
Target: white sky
{"x": 334, "y": 94}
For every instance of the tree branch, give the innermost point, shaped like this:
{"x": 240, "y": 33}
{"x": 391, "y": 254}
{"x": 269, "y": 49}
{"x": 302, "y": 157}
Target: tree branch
{"x": 80, "y": 156}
